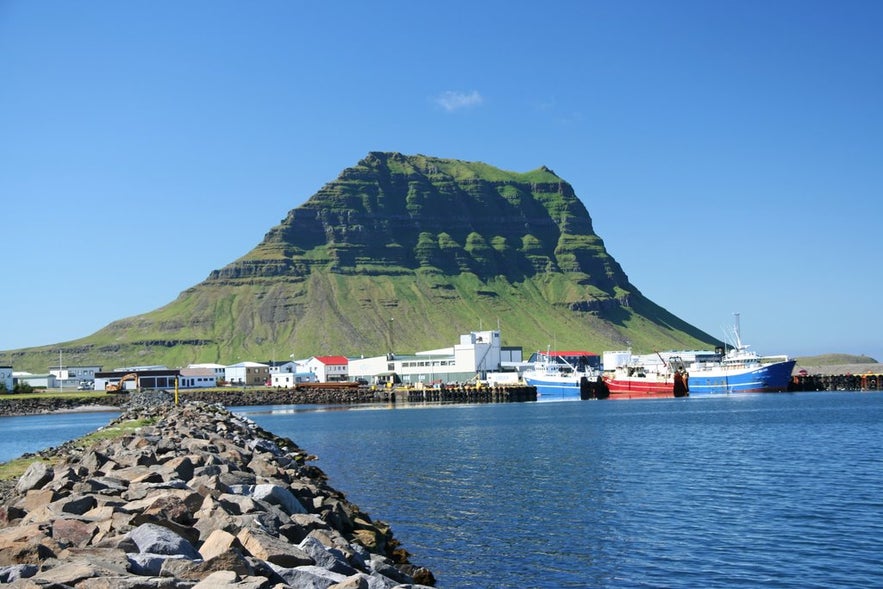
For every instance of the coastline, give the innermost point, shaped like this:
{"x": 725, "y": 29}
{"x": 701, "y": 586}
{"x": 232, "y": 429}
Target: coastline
{"x": 87, "y": 409}
{"x": 195, "y": 495}
{"x": 12, "y": 406}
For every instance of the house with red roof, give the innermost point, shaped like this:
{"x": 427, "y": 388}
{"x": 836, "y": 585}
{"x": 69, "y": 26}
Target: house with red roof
{"x": 329, "y": 368}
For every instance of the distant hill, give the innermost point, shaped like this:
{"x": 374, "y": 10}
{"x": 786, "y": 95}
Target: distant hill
{"x": 401, "y": 253}
{"x": 837, "y": 364}
{"x": 834, "y": 360}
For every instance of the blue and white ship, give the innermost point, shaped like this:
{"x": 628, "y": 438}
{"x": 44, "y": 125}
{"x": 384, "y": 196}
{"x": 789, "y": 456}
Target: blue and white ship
{"x": 736, "y": 370}
{"x": 561, "y": 376}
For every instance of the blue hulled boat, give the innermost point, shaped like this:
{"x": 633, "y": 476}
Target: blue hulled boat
{"x": 737, "y": 370}
{"x": 741, "y": 371}
{"x": 565, "y": 376}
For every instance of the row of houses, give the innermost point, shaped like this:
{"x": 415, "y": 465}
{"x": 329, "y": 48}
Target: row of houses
{"x": 476, "y": 355}
{"x": 277, "y": 374}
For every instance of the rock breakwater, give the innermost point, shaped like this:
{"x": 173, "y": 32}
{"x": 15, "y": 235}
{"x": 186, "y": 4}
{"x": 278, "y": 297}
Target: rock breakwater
{"x": 228, "y": 398}
{"x": 194, "y": 497}
{"x": 261, "y": 396}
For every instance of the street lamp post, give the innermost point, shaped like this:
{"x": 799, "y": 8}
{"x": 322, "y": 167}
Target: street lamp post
{"x": 391, "y": 343}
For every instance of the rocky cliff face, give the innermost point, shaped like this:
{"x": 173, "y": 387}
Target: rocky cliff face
{"x": 397, "y": 214}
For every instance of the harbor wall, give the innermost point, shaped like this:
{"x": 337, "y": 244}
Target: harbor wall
{"x": 836, "y": 382}
{"x": 303, "y": 396}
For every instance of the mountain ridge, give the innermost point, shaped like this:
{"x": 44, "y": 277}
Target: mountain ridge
{"x": 404, "y": 253}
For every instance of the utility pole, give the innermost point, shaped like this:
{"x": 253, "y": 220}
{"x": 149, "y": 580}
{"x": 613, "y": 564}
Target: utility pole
{"x": 391, "y": 343}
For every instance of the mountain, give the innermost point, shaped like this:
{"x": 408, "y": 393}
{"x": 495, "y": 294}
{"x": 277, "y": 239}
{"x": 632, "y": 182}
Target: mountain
{"x": 401, "y": 253}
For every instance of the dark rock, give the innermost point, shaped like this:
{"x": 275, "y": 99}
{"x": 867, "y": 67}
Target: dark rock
{"x": 8, "y": 574}
{"x": 76, "y": 504}
{"x": 72, "y": 532}
{"x": 328, "y": 558}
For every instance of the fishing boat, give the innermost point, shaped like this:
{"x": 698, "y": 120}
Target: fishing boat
{"x": 635, "y": 377}
{"x": 565, "y": 376}
{"x": 739, "y": 370}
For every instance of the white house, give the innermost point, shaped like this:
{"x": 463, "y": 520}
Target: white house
{"x": 247, "y": 374}
{"x": 38, "y": 381}
{"x": 329, "y": 368}
{"x": 6, "y": 377}
{"x": 74, "y": 373}
{"x": 289, "y": 380}
{"x": 277, "y": 367}
{"x": 219, "y": 370}
{"x": 197, "y": 378}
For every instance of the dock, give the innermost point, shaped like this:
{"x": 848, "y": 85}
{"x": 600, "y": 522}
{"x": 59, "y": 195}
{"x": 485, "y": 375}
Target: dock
{"x": 458, "y": 394}
{"x": 839, "y": 377}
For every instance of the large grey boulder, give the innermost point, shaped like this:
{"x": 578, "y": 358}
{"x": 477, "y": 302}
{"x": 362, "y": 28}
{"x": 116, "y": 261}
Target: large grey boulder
{"x": 148, "y": 565}
{"x": 262, "y": 445}
{"x": 155, "y": 539}
{"x": 277, "y": 495}
{"x": 37, "y": 475}
{"x": 231, "y": 580}
{"x": 309, "y": 577}
{"x": 328, "y": 558}
{"x": 271, "y": 549}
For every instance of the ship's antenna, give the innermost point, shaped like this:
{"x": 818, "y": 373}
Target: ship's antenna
{"x": 736, "y": 332}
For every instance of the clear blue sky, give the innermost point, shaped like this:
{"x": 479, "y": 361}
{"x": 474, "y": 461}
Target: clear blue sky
{"x": 730, "y": 153}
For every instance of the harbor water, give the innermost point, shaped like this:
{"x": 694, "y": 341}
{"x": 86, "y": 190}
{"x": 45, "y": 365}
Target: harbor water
{"x": 32, "y": 433}
{"x": 774, "y": 490}
{"x": 779, "y": 490}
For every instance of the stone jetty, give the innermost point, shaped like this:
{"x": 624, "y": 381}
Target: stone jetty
{"x": 302, "y": 396}
{"x": 195, "y": 496}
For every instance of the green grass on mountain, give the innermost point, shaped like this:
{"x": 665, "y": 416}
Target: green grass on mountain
{"x": 403, "y": 253}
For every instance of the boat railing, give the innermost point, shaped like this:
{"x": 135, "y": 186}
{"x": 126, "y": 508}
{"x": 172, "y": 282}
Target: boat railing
{"x": 774, "y": 359}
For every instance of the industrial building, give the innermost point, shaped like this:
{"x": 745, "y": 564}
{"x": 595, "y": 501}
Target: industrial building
{"x": 477, "y": 354}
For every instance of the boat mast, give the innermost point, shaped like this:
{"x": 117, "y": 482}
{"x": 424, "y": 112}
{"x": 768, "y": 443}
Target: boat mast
{"x": 736, "y": 332}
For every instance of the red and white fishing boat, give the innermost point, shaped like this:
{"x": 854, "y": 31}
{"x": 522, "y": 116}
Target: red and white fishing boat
{"x": 632, "y": 379}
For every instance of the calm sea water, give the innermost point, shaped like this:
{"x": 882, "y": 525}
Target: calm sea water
{"x": 738, "y": 491}
{"x": 30, "y": 433}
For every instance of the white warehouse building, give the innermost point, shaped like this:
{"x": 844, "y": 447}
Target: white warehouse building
{"x": 477, "y": 354}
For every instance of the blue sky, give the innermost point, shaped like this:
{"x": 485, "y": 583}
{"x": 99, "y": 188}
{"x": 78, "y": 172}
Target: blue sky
{"x": 730, "y": 153}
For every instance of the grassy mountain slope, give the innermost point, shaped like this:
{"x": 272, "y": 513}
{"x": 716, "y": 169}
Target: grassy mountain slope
{"x": 403, "y": 253}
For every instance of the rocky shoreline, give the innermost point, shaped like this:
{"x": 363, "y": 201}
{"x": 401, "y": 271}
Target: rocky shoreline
{"x": 196, "y": 497}
{"x": 261, "y": 396}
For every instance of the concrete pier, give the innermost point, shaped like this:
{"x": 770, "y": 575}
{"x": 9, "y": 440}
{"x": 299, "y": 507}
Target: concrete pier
{"x": 866, "y": 376}
{"x": 837, "y": 382}
{"x": 459, "y": 394}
